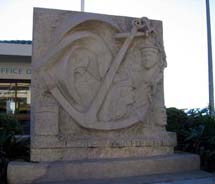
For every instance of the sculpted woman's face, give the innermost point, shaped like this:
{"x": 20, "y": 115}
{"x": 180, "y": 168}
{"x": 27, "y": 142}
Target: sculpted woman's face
{"x": 150, "y": 57}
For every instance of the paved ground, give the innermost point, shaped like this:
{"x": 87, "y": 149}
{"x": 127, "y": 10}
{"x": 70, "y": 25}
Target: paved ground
{"x": 194, "y": 177}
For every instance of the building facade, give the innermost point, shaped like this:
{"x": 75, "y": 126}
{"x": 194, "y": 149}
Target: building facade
{"x": 15, "y": 79}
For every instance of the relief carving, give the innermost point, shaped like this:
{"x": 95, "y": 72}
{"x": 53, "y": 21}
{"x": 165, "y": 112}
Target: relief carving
{"x": 104, "y": 78}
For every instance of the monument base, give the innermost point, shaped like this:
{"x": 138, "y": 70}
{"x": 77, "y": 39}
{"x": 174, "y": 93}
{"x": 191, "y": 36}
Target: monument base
{"x": 27, "y": 172}
{"x": 50, "y": 155}
{"x": 154, "y": 142}
{"x": 191, "y": 177}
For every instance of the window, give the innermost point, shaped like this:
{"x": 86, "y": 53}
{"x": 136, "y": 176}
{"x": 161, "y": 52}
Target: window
{"x": 15, "y": 98}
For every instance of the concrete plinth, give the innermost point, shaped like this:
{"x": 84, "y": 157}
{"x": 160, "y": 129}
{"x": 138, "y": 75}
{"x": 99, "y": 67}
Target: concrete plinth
{"x": 26, "y": 173}
{"x": 192, "y": 177}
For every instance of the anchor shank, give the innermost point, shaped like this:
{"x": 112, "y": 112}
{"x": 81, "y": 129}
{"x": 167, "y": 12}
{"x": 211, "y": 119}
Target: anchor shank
{"x": 108, "y": 79}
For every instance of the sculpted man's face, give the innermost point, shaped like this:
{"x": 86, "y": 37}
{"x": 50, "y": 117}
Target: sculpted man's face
{"x": 150, "y": 57}
{"x": 162, "y": 117}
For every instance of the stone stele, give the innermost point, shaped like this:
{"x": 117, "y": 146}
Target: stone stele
{"x": 97, "y": 101}
{"x": 97, "y": 87}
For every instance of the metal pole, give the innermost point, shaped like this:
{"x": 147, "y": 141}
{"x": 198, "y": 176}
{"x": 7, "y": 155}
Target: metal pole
{"x": 210, "y": 61}
{"x": 82, "y": 5}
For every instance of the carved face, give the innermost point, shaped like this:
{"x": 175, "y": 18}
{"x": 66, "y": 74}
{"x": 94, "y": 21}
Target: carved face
{"x": 150, "y": 57}
{"x": 163, "y": 119}
{"x": 160, "y": 118}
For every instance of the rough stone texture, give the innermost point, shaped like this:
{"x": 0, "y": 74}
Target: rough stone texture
{"x": 83, "y": 153}
{"x": 97, "y": 87}
{"x": 100, "y": 168}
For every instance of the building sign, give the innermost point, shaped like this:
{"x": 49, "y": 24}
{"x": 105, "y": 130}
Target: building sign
{"x": 12, "y": 70}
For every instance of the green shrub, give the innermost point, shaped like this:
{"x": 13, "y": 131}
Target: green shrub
{"x": 11, "y": 146}
{"x": 9, "y": 127}
{"x": 195, "y": 133}
{"x": 176, "y": 122}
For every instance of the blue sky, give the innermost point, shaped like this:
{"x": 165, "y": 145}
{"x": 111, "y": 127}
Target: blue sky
{"x": 184, "y": 23}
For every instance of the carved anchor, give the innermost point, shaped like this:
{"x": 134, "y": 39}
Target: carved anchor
{"x": 94, "y": 108}
{"x": 89, "y": 119}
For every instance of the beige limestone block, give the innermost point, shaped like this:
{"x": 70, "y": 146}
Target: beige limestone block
{"x": 97, "y": 84}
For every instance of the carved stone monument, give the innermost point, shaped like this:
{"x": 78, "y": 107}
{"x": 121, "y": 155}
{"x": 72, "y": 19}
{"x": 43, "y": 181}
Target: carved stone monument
{"x": 97, "y": 94}
{"x": 97, "y": 87}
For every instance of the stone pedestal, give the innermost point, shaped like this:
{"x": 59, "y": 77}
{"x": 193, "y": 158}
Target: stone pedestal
{"x": 100, "y": 169}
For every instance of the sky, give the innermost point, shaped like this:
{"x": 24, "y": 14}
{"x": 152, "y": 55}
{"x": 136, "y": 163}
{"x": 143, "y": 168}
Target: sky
{"x": 185, "y": 38}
